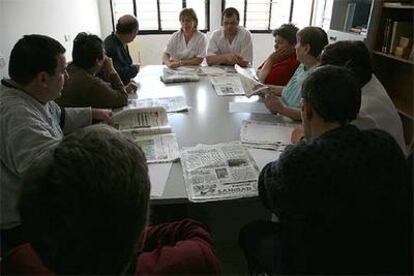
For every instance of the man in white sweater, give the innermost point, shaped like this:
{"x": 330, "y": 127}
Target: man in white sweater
{"x": 31, "y": 123}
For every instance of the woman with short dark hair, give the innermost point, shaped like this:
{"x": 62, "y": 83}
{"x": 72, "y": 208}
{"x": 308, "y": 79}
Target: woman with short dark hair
{"x": 279, "y": 67}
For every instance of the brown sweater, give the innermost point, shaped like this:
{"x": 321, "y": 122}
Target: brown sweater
{"x": 83, "y": 89}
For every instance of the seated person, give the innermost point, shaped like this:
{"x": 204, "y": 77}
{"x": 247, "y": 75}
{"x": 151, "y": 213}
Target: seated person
{"x": 309, "y": 45}
{"x": 231, "y": 44}
{"x": 116, "y": 47}
{"x": 377, "y": 109}
{"x": 85, "y": 89}
{"x": 279, "y": 67}
{"x": 186, "y": 46}
{"x": 342, "y": 196}
{"x": 84, "y": 208}
{"x": 32, "y": 124}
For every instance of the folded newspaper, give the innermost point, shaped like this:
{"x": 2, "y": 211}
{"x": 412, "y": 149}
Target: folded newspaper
{"x": 266, "y": 135}
{"x": 149, "y": 128}
{"x": 219, "y": 172}
{"x": 173, "y": 76}
{"x": 250, "y": 83}
{"x": 171, "y": 104}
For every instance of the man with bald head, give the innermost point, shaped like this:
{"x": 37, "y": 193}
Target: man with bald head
{"x": 116, "y": 47}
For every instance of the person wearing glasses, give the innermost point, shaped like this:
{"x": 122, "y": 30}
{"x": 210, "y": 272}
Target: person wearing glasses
{"x": 186, "y": 46}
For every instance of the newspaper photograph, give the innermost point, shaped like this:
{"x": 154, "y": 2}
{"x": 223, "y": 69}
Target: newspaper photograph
{"x": 227, "y": 85}
{"x": 158, "y": 148}
{"x": 173, "y": 76}
{"x": 266, "y": 135}
{"x": 171, "y": 104}
{"x": 218, "y": 172}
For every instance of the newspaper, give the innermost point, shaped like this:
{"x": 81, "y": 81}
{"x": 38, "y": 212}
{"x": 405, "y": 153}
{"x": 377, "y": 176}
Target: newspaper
{"x": 219, "y": 172}
{"x": 266, "y": 135}
{"x": 148, "y": 127}
{"x": 173, "y": 76}
{"x": 157, "y": 148}
{"x": 227, "y": 85}
{"x": 250, "y": 82}
{"x": 171, "y": 104}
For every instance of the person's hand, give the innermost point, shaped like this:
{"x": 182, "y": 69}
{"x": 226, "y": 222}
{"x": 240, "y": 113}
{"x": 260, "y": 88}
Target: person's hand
{"x": 102, "y": 115}
{"x": 174, "y": 64}
{"x": 108, "y": 66}
{"x": 231, "y": 58}
{"x": 242, "y": 62}
{"x": 280, "y": 55}
{"x": 131, "y": 87}
{"x": 297, "y": 135}
{"x": 273, "y": 103}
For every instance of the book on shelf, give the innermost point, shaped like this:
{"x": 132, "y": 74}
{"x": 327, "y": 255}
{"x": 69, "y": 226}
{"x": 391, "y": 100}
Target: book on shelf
{"x": 174, "y": 76}
{"x": 149, "y": 128}
{"x": 385, "y": 48}
{"x": 399, "y": 29}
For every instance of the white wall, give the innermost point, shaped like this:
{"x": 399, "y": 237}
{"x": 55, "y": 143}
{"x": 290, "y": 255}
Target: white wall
{"x": 147, "y": 49}
{"x": 55, "y": 18}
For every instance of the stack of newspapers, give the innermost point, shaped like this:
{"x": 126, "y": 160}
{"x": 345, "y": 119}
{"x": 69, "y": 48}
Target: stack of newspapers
{"x": 173, "y": 76}
{"x": 219, "y": 172}
{"x": 266, "y": 135}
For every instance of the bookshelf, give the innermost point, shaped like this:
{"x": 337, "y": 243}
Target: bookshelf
{"x": 396, "y": 72}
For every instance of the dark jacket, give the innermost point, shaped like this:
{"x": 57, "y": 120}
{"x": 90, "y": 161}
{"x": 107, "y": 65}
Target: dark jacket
{"x": 120, "y": 57}
{"x": 83, "y": 89}
{"x": 344, "y": 202}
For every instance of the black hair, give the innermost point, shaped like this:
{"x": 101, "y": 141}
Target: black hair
{"x": 87, "y": 48}
{"x": 334, "y": 93}
{"x": 33, "y": 54}
{"x": 288, "y": 32}
{"x": 354, "y": 55}
{"x": 84, "y": 205}
{"x": 229, "y": 12}
{"x": 126, "y": 27}
{"x": 316, "y": 38}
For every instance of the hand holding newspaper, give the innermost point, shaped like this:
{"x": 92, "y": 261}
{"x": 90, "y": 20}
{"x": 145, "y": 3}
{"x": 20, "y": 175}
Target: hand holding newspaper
{"x": 250, "y": 83}
{"x": 149, "y": 128}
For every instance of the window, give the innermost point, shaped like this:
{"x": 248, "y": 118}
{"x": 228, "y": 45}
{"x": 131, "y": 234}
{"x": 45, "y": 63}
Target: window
{"x": 160, "y": 16}
{"x": 266, "y": 15}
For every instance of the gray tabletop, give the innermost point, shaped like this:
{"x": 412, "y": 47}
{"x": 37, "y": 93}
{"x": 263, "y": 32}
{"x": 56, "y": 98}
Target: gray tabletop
{"x": 208, "y": 120}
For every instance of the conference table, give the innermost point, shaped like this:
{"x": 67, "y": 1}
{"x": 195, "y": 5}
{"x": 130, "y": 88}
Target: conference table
{"x": 208, "y": 120}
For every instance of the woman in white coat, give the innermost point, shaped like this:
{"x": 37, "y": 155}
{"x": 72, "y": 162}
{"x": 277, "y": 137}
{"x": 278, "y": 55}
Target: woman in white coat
{"x": 186, "y": 46}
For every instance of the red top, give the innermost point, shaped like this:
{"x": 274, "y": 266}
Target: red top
{"x": 282, "y": 72}
{"x": 183, "y": 247}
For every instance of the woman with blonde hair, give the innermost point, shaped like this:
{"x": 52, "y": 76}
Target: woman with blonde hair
{"x": 186, "y": 46}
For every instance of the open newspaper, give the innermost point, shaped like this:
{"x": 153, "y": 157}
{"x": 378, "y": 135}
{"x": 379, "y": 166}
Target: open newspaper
{"x": 149, "y": 128}
{"x": 250, "y": 83}
{"x": 266, "y": 135}
{"x": 219, "y": 172}
{"x": 171, "y": 104}
{"x": 173, "y": 76}
{"x": 227, "y": 85}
